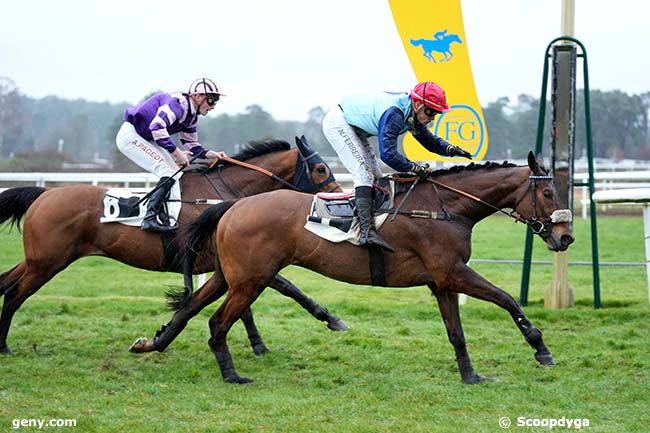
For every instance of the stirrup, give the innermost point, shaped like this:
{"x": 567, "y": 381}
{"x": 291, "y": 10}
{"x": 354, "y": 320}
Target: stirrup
{"x": 372, "y": 239}
{"x": 153, "y": 225}
{"x": 379, "y": 242}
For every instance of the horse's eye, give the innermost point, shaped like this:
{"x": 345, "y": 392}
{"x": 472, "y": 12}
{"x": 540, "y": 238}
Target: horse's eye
{"x": 321, "y": 170}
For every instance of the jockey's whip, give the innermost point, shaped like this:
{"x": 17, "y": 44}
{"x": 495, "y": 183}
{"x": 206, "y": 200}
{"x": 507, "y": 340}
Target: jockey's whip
{"x": 146, "y": 196}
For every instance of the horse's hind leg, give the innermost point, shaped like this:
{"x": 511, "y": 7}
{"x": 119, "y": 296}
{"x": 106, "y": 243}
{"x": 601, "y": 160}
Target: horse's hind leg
{"x": 237, "y": 302}
{"x": 10, "y": 277}
{"x": 321, "y": 313}
{"x": 8, "y": 283}
{"x": 259, "y": 348}
{"x": 465, "y": 280}
{"x": 212, "y": 290}
{"x": 448, "y": 306}
{"x": 23, "y": 285}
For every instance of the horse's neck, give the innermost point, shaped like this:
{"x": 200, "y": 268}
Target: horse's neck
{"x": 499, "y": 187}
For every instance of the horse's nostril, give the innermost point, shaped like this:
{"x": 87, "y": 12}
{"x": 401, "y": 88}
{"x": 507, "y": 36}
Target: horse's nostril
{"x": 567, "y": 240}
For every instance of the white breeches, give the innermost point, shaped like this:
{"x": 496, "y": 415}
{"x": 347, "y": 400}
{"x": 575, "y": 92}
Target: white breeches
{"x": 146, "y": 154}
{"x": 356, "y": 154}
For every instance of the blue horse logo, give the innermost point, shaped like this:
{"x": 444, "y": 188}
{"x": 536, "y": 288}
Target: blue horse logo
{"x": 441, "y": 43}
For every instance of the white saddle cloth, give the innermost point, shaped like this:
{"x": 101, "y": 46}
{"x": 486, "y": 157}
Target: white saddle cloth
{"x": 115, "y": 213}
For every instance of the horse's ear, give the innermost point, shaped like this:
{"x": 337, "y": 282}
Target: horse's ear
{"x": 532, "y": 162}
{"x": 303, "y": 147}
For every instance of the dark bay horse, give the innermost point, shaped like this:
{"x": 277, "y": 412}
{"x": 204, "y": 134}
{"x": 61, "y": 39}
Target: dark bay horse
{"x": 432, "y": 251}
{"x": 62, "y": 225}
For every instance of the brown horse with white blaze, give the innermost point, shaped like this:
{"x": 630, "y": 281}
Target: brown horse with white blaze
{"x": 432, "y": 252}
{"x": 62, "y": 225}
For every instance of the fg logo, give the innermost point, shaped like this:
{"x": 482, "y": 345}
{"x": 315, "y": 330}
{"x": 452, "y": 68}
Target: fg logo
{"x": 462, "y": 126}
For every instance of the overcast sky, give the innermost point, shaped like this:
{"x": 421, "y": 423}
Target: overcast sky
{"x": 290, "y": 56}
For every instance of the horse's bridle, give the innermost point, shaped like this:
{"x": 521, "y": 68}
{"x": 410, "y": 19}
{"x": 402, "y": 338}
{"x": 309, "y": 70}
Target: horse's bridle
{"x": 308, "y": 185}
{"x": 541, "y": 227}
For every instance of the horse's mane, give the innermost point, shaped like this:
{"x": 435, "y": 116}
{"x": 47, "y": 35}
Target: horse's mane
{"x": 472, "y": 167}
{"x": 259, "y": 148}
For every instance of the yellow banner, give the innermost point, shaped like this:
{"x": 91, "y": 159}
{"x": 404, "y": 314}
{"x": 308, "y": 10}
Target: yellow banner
{"x": 434, "y": 38}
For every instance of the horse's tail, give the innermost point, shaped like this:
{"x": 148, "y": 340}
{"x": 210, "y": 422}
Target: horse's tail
{"x": 198, "y": 235}
{"x": 14, "y": 202}
{"x": 417, "y": 42}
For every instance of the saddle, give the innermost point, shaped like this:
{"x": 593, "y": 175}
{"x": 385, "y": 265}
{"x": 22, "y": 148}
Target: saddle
{"x": 332, "y": 214}
{"x": 120, "y": 206}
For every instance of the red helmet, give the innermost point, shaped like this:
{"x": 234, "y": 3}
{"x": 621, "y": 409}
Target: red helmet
{"x": 431, "y": 95}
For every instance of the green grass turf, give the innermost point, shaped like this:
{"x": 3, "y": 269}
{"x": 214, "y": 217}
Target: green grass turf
{"x": 393, "y": 371}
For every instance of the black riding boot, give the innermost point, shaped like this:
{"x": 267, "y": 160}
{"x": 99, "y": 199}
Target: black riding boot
{"x": 367, "y": 233}
{"x": 155, "y": 208}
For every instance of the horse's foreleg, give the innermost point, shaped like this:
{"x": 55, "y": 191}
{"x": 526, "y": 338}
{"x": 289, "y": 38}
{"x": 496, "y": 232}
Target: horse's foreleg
{"x": 448, "y": 306}
{"x": 237, "y": 302}
{"x": 287, "y": 288}
{"x": 212, "y": 290}
{"x": 465, "y": 280}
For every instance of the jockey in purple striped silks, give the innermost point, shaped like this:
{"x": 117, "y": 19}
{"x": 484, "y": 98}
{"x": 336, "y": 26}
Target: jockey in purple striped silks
{"x": 145, "y": 139}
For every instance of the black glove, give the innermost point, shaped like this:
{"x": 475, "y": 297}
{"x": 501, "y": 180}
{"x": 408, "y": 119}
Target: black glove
{"x": 423, "y": 171}
{"x": 457, "y": 151}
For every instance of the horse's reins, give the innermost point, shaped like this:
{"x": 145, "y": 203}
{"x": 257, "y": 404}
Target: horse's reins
{"x": 234, "y": 193}
{"x": 537, "y": 226}
{"x": 255, "y": 168}
{"x": 480, "y": 200}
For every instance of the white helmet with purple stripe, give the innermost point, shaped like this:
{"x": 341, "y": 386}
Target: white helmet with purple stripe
{"x": 204, "y": 86}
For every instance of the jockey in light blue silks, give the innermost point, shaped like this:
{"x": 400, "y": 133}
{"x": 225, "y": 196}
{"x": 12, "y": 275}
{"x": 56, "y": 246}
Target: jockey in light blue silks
{"x": 145, "y": 139}
{"x": 348, "y": 125}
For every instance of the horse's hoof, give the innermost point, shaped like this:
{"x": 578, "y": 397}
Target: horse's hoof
{"x": 474, "y": 378}
{"x": 545, "y": 358}
{"x": 4, "y": 350}
{"x": 260, "y": 349}
{"x": 337, "y": 325}
{"x": 142, "y": 345}
{"x": 237, "y": 379}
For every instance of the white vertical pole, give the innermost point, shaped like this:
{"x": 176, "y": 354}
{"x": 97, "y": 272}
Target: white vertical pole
{"x": 646, "y": 233}
{"x": 559, "y": 294}
{"x": 568, "y": 17}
